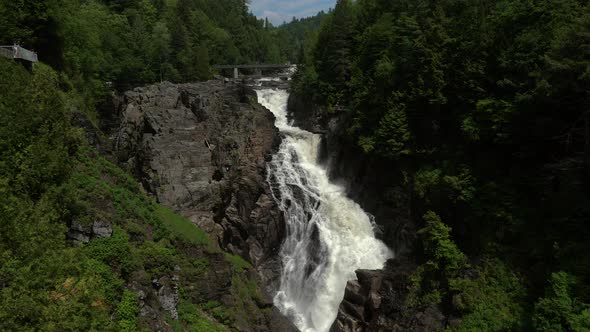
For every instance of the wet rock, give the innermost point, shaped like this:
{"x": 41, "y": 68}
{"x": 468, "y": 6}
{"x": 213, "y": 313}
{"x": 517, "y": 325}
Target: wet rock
{"x": 377, "y": 302}
{"x": 278, "y": 323}
{"x": 151, "y": 301}
{"x": 306, "y": 114}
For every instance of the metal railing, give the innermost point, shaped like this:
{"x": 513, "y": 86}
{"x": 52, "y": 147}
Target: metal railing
{"x": 258, "y": 66}
{"x": 7, "y": 51}
{"x": 17, "y": 52}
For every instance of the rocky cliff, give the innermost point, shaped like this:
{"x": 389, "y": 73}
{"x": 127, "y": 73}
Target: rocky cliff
{"x": 201, "y": 149}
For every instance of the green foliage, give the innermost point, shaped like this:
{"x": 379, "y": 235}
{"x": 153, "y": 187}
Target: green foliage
{"x": 60, "y": 291}
{"x": 49, "y": 180}
{"x": 333, "y": 48}
{"x": 560, "y": 310}
{"x": 494, "y": 300}
{"x": 444, "y": 261}
{"x": 183, "y": 228}
{"x": 481, "y": 106}
{"x": 131, "y": 43}
{"x": 393, "y": 133}
{"x": 194, "y": 321}
{"x": 425, "y": 180}
{"x": 127, "y": 312}
{"x": 35, "y": 144}
{"x": 296, "y": 38}
{"x": 442, "y": 252}
{"x": 430, "y": 183}
{"x": 115, "y": 251}
{"x": 489, "y": 121}
{"x": 158, "y": 258}
{"x": 238, "y": 262}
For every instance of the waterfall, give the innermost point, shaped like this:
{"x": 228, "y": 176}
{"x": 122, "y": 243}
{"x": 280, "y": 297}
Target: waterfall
{"x": 329, "y": 236}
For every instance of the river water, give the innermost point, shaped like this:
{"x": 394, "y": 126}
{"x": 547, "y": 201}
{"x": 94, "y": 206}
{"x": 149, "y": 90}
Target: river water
{"x": 328, "y": 237}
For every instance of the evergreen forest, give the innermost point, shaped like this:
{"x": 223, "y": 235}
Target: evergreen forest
{"x": 482, "y": 110}
{"x": 51, "y": 176}
{"x": 480, "y": 107}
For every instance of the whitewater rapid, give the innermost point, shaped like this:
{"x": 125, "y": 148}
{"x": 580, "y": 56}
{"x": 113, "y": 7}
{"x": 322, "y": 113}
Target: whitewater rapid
{"x": 328, "y": 236}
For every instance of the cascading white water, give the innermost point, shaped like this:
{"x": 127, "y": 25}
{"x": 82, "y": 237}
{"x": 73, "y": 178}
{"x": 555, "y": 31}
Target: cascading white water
{"x": 328, "y": 237}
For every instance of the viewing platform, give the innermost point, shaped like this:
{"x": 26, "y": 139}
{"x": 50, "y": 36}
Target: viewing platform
{"x": 17, "y": 52}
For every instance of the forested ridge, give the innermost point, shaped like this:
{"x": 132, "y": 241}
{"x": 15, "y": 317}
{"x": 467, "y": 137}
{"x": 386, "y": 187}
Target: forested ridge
{"x": 82, "y": 246}
{"x": 136, "y": 42}
{"x": 481, "y": 107}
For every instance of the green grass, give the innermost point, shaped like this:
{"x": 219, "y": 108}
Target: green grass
{"x": 182, "y": 227}
{"x": 193, "y": 320}
{"x": 237, "y": 262}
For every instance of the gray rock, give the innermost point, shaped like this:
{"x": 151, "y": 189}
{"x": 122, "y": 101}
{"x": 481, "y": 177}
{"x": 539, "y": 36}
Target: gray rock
{"x": 102, "y": 228}
{"x": 79, "y": 233}
{"x": 168, "y": 296}
{"x": 377, "y": 302}
{"x": 201, "y": 149}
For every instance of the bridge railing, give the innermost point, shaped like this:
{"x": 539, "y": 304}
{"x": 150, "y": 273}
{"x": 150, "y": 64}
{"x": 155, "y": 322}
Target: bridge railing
{"x": 7, "y": 51}
{"x": 254, "y": 66}
{"x": 17, "y": 52}
{"x": 25, "y": 54}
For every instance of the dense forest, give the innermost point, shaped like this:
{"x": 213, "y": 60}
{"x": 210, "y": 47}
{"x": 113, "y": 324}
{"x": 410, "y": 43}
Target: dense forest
{"x": 296, "y": 39}
{"x": 135, "y": 42}
{"x": 481, "y": 107}
{"x": 52, "y": 180}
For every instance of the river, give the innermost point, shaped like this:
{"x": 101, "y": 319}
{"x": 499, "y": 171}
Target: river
{"x": 329, "y": 236}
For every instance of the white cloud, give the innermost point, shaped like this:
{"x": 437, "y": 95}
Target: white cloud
{"x": 279, "y": 11}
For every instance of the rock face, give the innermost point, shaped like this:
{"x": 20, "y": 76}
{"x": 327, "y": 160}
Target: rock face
{"x": 377, "y": 302}
{"x": 201, "y": 149}
{"x": 306, "y": 114}
{"x": 80, "y": 233}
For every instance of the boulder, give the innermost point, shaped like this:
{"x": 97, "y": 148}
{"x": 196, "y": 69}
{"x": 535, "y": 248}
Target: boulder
{"x": 102, "y": 228}
{"x": 377, "y": 302}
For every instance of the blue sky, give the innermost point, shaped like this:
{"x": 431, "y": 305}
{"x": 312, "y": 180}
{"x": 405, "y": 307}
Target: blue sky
{"x": 278, "y": 11}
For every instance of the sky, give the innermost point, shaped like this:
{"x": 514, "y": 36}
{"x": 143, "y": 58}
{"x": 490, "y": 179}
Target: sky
{"x": 279, "y": 11}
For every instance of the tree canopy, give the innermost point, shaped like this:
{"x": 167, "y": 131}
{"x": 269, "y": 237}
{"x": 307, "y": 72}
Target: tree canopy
{"x": 483, "y": 108}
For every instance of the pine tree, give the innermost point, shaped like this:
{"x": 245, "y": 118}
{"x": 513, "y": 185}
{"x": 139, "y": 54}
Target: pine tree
{"x": 334, "y": 47}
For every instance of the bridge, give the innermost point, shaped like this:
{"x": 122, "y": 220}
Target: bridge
{"x": 17, "y": 52}
{"x": 259, "y": 67}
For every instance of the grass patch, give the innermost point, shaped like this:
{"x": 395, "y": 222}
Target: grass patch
{"x": 195, "y": 321}
{"x": 237, "y": 262}
{"x": 182, "y": 227}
